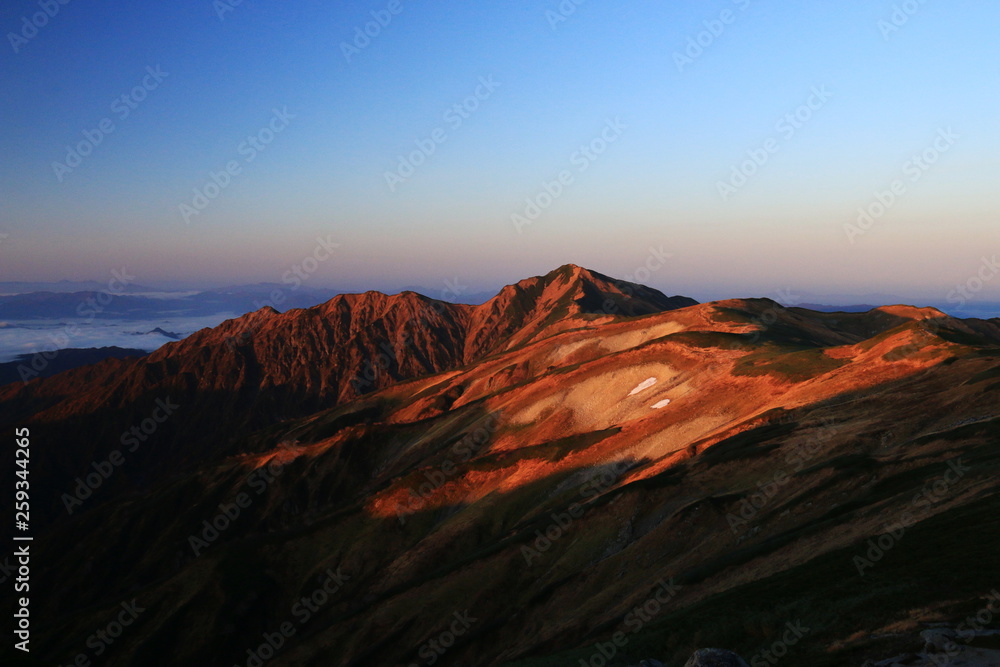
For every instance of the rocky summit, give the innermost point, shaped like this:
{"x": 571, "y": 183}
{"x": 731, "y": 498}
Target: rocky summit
{"x": 580, "y": 471}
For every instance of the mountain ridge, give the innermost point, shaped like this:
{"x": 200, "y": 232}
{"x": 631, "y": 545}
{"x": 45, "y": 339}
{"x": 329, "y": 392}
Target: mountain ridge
{"x": 276, "y": 365}
{"x": 543, "y": 486}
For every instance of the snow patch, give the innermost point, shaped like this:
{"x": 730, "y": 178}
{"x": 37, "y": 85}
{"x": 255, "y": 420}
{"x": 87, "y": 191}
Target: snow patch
{"x": 645, "y": 384}
{"x": 662, "y": 404}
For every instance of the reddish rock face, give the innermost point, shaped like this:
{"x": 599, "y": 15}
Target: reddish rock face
{"x": 577, "y": 460}
{"x": 267, "y": 366}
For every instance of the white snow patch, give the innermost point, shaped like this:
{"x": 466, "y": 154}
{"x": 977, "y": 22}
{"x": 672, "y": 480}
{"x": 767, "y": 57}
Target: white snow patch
{"x": 645, "y": 384}
{"x": 662, "y": 404}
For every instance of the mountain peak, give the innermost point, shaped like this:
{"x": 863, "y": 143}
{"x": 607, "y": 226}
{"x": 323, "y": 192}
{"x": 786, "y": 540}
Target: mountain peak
{"x": 568, "y": 297}
{"x": 372, "y": 305}
{"x": 569, "y": 270}
{"x": 573, "y": 273}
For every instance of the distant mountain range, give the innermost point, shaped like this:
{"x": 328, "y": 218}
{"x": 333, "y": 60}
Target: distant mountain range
{"x": 575, "y": 464}
{"x": 824, "y": 308}
{"x": 158, "y": 332}
{"x": 66, "y": 299}
{"x": 66, "y": 286}
{"x": 56, "y": 301}
{"x": 142, "y": 304}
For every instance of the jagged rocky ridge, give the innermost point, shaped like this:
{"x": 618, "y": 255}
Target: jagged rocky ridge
{"x": 713, "y": 475}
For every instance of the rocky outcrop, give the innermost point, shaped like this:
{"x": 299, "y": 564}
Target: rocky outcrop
{"x": 655, "y": 473}
{"x": 265, "y": 367}
{"x": 570, "y": 296}
{"x": 715, "y": 657}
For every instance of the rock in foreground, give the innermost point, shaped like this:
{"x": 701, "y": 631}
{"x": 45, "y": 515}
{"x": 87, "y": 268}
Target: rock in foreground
{"x": 715, "y": 657}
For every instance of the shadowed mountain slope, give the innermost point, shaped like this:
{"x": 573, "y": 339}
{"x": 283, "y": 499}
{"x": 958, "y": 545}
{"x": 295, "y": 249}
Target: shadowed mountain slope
{"x": 730, "y": 460}
{"x": 266, "y": 366}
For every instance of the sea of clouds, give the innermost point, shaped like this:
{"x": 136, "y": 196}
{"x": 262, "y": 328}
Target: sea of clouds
{"x": 19, "y": 337}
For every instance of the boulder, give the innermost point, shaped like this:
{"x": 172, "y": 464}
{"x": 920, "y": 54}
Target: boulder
{"x": 899, "y": 660}
{"x": 715, "y": 657}
{"x": 939, "y": 640}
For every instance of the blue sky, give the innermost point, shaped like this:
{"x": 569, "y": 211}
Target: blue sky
{"x": 330, "y": 126}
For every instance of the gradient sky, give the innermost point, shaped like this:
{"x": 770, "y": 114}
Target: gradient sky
{"x": 559, "y": 82}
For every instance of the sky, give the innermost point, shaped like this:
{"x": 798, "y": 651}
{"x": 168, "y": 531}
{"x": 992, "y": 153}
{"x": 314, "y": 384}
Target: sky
{"x": 709, "y": 148}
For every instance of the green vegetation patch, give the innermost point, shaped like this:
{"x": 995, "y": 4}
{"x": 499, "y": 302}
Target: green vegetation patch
{"x": 704, "y": 339}
{"x": 796, "y": 366}
{"x": 735, "y": 315}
